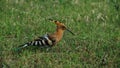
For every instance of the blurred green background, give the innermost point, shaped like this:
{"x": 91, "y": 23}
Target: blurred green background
{"x": 96, "y": 24}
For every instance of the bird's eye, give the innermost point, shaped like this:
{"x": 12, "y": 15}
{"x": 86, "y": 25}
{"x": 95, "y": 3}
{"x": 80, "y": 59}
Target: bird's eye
{"x": 63, "y": 27}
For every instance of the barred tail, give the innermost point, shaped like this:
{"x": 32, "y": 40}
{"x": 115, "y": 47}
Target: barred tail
{"x": 24, "y": 45}
{"x": 20, "y": 47}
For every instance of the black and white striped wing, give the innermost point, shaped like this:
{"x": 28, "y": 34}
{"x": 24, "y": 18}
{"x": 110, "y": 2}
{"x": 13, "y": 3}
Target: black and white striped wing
{"x": 41, "y": 41}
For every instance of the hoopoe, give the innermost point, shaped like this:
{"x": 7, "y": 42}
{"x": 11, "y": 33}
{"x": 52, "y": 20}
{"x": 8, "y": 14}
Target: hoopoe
{"x": 49, "y": 40}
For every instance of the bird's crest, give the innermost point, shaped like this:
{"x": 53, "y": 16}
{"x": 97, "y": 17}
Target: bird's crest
{"x": 61, "y": 25}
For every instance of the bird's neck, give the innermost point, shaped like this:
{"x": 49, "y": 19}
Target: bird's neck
{"x": 59, "y": 34}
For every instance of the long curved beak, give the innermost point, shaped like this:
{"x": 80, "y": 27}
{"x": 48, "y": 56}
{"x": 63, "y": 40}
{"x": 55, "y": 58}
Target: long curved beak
{"x": 70, "y": 31}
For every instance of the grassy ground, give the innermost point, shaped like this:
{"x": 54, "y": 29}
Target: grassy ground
{"x": 96, "y": 24}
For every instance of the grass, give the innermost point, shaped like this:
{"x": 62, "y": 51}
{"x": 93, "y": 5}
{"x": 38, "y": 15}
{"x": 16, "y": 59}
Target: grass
{"x": 95, "y": 23}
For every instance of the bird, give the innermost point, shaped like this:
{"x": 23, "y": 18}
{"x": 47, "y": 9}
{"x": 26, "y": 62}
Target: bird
{"x": 49, "y": 40}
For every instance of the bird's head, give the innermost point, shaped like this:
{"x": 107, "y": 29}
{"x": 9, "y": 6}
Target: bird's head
{"x": 61, "y": 26}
